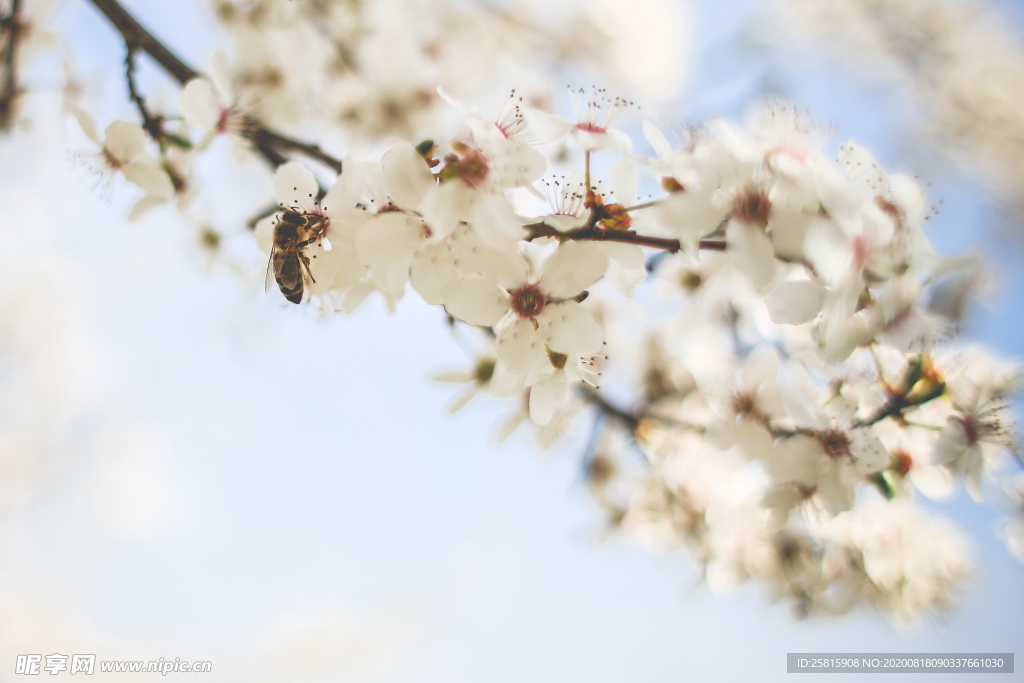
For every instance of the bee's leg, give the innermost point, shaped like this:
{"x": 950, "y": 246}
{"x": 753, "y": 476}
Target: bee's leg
{"x": 305, "y": 262}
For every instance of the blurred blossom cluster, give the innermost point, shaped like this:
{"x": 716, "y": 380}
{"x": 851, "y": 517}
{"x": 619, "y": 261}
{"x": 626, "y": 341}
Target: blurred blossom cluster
{"x": 957, "y": 58}
{"x": 776, "y": 330}
{"x": 373, "y": 67}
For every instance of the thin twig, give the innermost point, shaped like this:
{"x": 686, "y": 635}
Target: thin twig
{"x": 152, "y": 124}
{"x": 9, "y": 91}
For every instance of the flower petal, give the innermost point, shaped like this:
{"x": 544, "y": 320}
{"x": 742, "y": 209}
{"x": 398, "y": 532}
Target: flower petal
{"x": 571, "y": 329}
{"x": 406, "y": 175}
{"x": 572, "y": 268}
{"x": 519, "y": 345}
{"x": 433, "y": 267}
{"x": 295, "y": 187}
{"x": 475, "y": 301}
{"x": 795, "y": 302}
{"x": 199, "y": 104}
{"x": 751, "y": 251}
{"x": 545, "y": 127}
{"x": 151, "y": 177}
{"x": 546, "y": 397}
{"x": 124, "y": 140}
{"x": 657, "y": 140}
{"x": 388, "y": 238}
{"x": 492, "y": 217}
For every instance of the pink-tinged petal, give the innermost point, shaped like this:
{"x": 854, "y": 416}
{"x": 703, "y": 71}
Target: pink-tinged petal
{"x": 571, "y": 329}
{"x": 433, "y": 267}
{"x": 519, "y": 345}
{"x": 389, "y": 238}
{"x": 475, "y": 301}
{"x": 199, "y": 104}
{"x": 795, "y": 302}
{"x": 151, "y": 177}
{"x": 751, "y": 251}
{"x": 406, "y": 175}
{"x": 572, "y": 268}
{"x": 545, "y": 127}
{"x": 295, "y": 187}
{"x": 124, "y": 140}
{"x": 546, "y": 397}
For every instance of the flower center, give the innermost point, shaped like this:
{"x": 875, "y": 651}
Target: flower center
{"x": 691, "y": 280}
{"x": 528, "y": 301}
{"x": 971, "y": 429}
{"x": 861, "y": 252}
{"x": 903, "y": 462}
{"x": 835, "y": 442}
{"x": 470, "y": 165}
{"x": 752, "y": 205}
{"x": 557, "y": 359}
{"x": 744, "y": 403}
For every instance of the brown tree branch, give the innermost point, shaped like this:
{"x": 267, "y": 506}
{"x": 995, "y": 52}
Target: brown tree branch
{"x": 262, "y": 136}
{"x": 628, "y": 419}
{"x": 596, "y": 234}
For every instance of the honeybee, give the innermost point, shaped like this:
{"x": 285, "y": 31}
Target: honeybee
{"x": 293, "y": 232}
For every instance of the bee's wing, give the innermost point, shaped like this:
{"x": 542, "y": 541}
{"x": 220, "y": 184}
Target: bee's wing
{"x": 270, "y": 269}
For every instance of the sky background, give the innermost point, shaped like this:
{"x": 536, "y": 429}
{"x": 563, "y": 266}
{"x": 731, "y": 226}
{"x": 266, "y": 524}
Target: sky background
{"x": 221, "y": 476}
